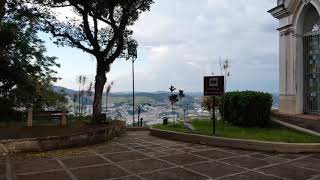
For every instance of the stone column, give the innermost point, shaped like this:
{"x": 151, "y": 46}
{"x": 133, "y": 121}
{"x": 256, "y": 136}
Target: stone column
{"x": 64, "y": 119}
{"x": 30, "y": 117}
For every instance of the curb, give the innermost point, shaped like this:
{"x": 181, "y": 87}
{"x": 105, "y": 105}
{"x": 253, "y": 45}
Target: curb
{"x": 294, "y": 127}
{"x": 238, "y": 143}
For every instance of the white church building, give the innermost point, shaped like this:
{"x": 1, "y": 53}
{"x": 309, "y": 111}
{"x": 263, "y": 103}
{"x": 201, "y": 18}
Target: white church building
{"x": 299, "y": 57}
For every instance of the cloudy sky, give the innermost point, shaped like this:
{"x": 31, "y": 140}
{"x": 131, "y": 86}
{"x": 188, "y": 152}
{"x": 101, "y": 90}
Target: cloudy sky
{"x": 180, "y": 41}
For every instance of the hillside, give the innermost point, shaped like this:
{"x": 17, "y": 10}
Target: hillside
{"x": 154, "y": 98}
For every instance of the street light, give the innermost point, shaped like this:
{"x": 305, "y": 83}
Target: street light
{"x": 132, "y": 55}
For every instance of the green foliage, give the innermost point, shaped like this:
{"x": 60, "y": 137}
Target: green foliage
{"x": 26, "y": 73}
{"x": 101, "y": 29}
{"x": 273, "y": 133}
{"x": 248, "y": 108}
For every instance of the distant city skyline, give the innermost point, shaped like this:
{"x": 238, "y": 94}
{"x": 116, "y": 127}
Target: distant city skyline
{"x": 181, "y": 41}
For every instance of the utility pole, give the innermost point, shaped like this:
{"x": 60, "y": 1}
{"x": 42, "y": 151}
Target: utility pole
{"x": 132, "y": 54}
{"x": 133, "y": 119}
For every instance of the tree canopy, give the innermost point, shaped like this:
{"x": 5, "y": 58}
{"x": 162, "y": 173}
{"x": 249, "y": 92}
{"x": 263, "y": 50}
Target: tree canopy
{"x": 100, "y": 28}
{"x": 26, "y": 73}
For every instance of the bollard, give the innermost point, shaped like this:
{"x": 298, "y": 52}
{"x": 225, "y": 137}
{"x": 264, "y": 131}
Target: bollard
{"x": 64, "y": 119}
{"x": 165, "y": 120}
{"x": 30, "y": 117}
{"x": 141, "y": 119}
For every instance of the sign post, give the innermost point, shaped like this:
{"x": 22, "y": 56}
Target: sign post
{"x": 214, "y": 86}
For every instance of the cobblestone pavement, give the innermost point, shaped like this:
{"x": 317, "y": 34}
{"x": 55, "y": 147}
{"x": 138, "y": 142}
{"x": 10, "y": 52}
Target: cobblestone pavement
{"x": 140, "y": 156}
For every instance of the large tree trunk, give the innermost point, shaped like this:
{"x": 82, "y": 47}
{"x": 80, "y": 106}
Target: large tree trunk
{"x": 99, "y": 86}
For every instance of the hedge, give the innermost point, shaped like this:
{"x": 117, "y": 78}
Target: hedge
{"x": 248, "y": 108}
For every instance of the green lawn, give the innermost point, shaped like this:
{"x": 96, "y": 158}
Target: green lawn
{"x": 272, "y": 133}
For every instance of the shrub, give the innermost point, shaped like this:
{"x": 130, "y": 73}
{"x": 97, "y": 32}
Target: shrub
{"x": 248, "y": 108}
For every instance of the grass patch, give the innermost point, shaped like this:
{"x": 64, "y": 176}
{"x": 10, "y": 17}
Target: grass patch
{"x": 273, "y": 133}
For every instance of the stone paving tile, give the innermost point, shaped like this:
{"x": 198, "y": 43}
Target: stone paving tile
{"x": 125, "y": 156}
{"x": 22, "y": 158}
{"x": 57, "y": 175}
{"x": 290, "y": 172}
{"x": 214, "y": 169}
{"x": 176, "y": 146}
{"x": 239, "y": 151}
{"x": 307, "y": 163}
{"x": 199, "y": 147}
{"x": 128, "y": 178}
{"x": 182, "y": 159}
{"x": 156, "y": 153}
{"x": 111, "y": 149}
{"x": 273, "y": 160}
{"x": 161, "y": 148}
{"x": 133, "y": 145}
{"x": 214, "y": 154}
{"x": 99, "y": 172}
{"x": 37, "y": 166}
{"x": 146, "y": 165}
{"x": 290, "y": 156}
{"x": 128, "y": 141}
{"x": 247, "y": 162}
{"x": 186, "y": 150}
{"x": 260, "y": 156}
{"x": 173, "y": 174}
{"x": 173, "y": 152}
{"x": 149, "y": 139}
{"x": 145, "y": 150}
{"x": 2, "y": 169}
{"x": 315, "y": 156}
{"x": 250, "y": 176}
{"x": 83, "y": 161}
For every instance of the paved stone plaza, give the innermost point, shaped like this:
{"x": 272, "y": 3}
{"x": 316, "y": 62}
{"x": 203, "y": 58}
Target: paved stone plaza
{"x": 140, "y": 156}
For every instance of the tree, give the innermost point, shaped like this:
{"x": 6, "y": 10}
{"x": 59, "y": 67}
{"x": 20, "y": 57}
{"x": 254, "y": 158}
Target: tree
{"x": 26, "y": 73}
{"x": 100, "y": 30}
{"x": 75, "y": 97}
{"x": 181, "y": 95}
{"x": 174, "y": 98}
{"x": 225, "y": 70}
{"x": 2, "y": 10}
{"x": 108, "y": 89}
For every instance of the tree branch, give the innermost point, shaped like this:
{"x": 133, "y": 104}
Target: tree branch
{"x": 118, "y": 51}
{"x": 70, "y": 38}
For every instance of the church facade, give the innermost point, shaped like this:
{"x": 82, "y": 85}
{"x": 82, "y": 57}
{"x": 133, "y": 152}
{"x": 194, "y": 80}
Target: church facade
{"x": 299, "y": 55}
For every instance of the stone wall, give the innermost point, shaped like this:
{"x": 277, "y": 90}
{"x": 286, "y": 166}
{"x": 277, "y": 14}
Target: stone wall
{"x": 97, "y": 135}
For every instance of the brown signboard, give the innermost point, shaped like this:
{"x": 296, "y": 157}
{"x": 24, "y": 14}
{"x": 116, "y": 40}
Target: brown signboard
{"x": 213, "y": 85}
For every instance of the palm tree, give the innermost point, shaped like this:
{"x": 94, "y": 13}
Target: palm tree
{"x": 174, "y": 98}
{"x": 181, "y": 95}
{"x": 172, "y": 89}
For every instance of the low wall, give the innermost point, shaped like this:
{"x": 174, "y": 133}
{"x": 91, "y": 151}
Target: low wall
{"x": 97, "y": 135}
{"x": 238, "y": 143}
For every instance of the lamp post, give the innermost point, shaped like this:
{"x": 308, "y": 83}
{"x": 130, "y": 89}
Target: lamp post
{"x": 132, "y": 55}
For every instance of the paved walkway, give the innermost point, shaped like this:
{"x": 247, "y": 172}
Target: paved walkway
{"x": 140, "y": 156}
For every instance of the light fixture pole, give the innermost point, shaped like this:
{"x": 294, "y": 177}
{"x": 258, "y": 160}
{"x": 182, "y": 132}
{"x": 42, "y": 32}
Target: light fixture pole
{"x": 133, "y": 99}
{"x": 132, "y": 54}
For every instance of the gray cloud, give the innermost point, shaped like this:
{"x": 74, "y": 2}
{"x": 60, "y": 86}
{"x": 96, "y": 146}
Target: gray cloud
{"x": 180, "y": 41}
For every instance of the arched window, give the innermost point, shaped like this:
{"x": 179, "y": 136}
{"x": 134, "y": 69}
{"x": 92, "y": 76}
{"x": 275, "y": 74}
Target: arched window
{"x": 312, "y": 20}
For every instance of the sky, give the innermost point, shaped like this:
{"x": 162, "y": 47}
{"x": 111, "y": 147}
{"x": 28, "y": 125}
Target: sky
{"x": 180, "y": 41}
